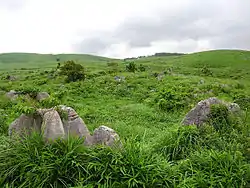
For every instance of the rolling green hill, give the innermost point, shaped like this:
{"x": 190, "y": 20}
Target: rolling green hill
{"x": 33, "y": 60}
{"x": 223, "y": 63}
{"x": 145, "y": 107}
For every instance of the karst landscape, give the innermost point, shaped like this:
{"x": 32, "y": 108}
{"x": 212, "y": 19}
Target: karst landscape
{"x": 165, "y": 120}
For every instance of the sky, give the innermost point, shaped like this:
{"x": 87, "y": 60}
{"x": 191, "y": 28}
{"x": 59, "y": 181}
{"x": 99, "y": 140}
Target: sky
{"x": 123, "y": 28}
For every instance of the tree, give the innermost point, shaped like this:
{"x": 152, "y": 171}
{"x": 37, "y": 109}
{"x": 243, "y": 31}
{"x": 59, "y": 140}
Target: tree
{"x": 73, "y": 71}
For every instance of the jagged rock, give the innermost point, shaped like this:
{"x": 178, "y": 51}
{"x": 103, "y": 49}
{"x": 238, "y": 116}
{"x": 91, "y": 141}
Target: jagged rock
{"x": 12, "y": 94}
{"x": 41, "y": 96}
{"x": 25, "y": 124}
{"x": 105, "y": 136}
{"x": 52, "y": 126}
{"x": 200, "y": 113}
{"x": 73, "y": 124}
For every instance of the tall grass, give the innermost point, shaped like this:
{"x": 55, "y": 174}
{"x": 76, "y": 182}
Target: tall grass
{"x": 33, "y": 163}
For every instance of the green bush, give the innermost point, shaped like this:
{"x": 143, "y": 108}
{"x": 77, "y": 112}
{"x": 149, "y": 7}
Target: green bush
{"x": 171, "y": 99}
{"x": 141, "y": 68}
{"x": 28, "y": 89}
{"x": 131, "y": 67}
{"x": 41, "y": 82}
{"x": 113, "y": 67}
{"x": 73, "y": 72}
{"x": 206, "y": 71}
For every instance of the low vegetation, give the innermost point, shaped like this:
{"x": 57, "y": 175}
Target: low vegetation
{"x": 145, "y": 108}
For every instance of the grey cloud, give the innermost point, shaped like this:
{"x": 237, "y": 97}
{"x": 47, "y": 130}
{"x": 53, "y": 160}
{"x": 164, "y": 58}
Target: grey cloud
{"x": 225, "y": 24}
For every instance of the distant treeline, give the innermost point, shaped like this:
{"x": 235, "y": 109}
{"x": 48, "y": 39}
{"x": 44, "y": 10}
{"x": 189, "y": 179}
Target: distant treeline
{"x": 157, "y": 55}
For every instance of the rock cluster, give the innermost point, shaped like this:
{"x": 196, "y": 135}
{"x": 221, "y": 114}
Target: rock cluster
{"x": 60, "y": 122}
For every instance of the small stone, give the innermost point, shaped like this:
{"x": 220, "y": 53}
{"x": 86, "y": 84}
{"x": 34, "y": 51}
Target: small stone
{"x": 42, "y": 96}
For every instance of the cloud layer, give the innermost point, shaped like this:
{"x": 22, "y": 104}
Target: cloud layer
{"x": 124, "y": 28}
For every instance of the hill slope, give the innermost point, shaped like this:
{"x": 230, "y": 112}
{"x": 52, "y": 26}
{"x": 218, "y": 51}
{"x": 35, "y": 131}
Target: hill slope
{"x": 223, "y": 63}
{"x": 33, "y": 60}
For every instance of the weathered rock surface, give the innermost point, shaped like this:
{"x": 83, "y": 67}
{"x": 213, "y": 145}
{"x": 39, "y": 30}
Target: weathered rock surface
{"x": 25, "y": 124}
{"x": 200, "y": 113}
{"x": 41, "y": 96}
{"x": 73, "y": 124}
{"x": 12, "y": 95}
{"x": 52, "y": 126}
{"x": 105, "y": 136}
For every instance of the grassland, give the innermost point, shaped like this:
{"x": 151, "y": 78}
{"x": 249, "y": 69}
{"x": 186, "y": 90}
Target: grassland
{"x": 146, "y": 110}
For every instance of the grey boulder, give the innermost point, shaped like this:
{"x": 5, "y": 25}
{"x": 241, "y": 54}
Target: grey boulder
{"x": 25, "y": 124}
{"x": 73, "y": 124}
{"x": 42, "y": 96}
{"x": 12, "y": 95}
{"x": 52, "y": 126}
{"x": 105, "y": 136}
{"x": 200, "y": 113}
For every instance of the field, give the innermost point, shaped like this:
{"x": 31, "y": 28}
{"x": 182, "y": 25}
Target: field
{"x": 145, "y": 109}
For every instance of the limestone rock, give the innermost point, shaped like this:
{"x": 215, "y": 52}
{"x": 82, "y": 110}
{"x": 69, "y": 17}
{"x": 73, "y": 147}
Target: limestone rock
{"x": 73, "y": 124}
{"x": 41, "y": 96}
{"x": 25, "y": 124}
{"x": 11, "y": 78}
{"x": 52, "y": 126}
{"x": 12, "y": 95}
{"x": 200, "y": 113}
{"x": 105, "y": 136}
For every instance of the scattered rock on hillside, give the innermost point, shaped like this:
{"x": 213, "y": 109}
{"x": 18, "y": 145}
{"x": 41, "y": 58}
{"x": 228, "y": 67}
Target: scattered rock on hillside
{"x": 73, "y": 124}
{"x": 11, "y": 78}
{"x": 24, "y": 125}
{"x": 41, "y": 96}
{"x": 119, "y": 78}
{"x": 52, "y": 126}
{"x": 12, "y": 95}
{"x": 200, "y": 113}
{"x": 105, "y": 136}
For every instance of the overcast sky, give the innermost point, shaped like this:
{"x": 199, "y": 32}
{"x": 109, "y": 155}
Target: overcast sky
{"x": 123, "y": 28}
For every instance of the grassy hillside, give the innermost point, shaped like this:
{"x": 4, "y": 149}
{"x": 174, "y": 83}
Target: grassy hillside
{"x": 223, "y": 63}
{"x": 10, "y": 61}
{"x": 146, "y": 110}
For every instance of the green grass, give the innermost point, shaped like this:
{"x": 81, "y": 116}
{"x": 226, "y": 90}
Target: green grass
{"x": 146, "y": 113}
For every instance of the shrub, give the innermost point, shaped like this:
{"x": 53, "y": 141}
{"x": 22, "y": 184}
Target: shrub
{"x": 141, "y": 68}
{"x": 113, "y": 67}
{"x": 172, "y": 98}
{"x": 131, "y": 67}
{"x": 72, "y": 71}
{"x": 40, "y": 82}
{"x": 30, "y": 90}
{"x": 206, "y": 71}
